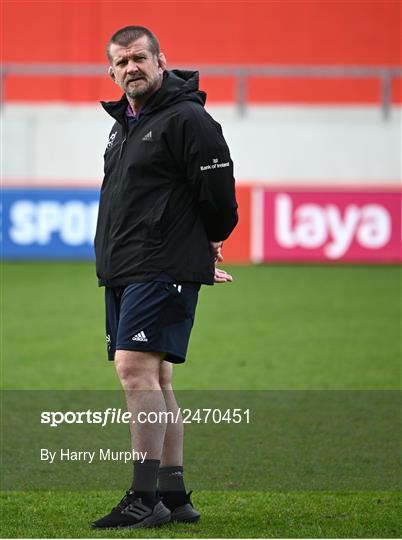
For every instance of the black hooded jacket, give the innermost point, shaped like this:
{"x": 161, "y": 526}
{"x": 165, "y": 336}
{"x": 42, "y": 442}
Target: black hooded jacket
{"x": 168, "y": 189}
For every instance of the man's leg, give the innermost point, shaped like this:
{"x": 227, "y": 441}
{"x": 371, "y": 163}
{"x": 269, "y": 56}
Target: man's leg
{"x": 171, "y": 481}
{"x": 139, "y": 375}
{"x": 172, "y": 454}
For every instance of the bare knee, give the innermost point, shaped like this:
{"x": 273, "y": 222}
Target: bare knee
{"x": 138, "y": 370}
{"x": 165, "y": 375}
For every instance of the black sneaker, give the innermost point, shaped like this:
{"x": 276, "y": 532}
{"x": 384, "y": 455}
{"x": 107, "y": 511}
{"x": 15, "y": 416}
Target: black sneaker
{"x": 132, "y": 513}
{"x": 185, "y": 513}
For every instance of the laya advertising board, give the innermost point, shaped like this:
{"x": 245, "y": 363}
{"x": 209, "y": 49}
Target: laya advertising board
{"x": 277, "y": 225}
{"x": 327, "y": 226}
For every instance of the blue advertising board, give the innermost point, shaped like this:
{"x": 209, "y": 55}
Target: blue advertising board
{"x": 48, "y": 223}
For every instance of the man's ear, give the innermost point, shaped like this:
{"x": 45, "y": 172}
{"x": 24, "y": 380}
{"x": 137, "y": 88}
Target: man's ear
{"x": 111, "y": 73}
{"x": 162, "y": 61}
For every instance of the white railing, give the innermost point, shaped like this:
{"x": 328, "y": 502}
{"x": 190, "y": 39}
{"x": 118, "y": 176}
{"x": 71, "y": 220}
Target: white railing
{"x": 241, "y": 74}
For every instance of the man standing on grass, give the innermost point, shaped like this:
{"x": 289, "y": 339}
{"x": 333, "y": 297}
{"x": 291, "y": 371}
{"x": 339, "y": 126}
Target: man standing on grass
{"x": 167, "y": 203}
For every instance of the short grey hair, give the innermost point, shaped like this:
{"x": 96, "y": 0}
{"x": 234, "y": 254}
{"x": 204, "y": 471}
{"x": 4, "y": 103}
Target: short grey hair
{"x": 128, "y": 34}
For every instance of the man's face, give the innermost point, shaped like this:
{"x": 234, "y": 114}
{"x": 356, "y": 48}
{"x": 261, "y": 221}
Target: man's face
{"x": 135, "y": 69}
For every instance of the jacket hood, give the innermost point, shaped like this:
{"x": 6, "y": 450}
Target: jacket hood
{"x": 177, "y": 86}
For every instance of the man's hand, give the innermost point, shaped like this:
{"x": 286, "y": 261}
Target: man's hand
{"x": 221, "y": 276}
{"x": 217, "y": 251}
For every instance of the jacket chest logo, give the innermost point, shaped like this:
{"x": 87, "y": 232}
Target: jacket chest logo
{"x": 148, "y": 137}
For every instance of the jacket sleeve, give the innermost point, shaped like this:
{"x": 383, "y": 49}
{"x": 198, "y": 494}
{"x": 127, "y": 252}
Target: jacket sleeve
{"x": 209, "y": 168}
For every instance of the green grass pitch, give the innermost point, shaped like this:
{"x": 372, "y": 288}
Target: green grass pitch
{"x": 275, "y": 327}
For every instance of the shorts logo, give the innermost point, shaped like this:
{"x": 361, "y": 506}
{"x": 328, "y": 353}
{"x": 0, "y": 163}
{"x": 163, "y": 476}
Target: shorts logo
{"x": 140, "y": 337}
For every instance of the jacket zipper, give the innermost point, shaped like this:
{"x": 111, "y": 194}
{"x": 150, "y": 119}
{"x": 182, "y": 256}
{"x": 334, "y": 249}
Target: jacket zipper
{"x": 107, "y": 266}
{"x": 122, "y": 145}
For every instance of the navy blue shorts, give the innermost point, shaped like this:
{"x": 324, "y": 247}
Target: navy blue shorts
{"x": 151, "y": 316}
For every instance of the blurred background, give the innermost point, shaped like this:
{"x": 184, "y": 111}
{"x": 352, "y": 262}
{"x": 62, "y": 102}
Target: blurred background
{"x": 309, "y": 97}
{"x": 308, "y": 93}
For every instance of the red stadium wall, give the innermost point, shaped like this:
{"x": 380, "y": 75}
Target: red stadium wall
{"x": 287, "y": 32}
{"x": 237, "y": 247}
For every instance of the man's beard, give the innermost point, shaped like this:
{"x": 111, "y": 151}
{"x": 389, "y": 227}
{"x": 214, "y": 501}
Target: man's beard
{"x": 144, "y": 90}
{"x": 138, "y": 93}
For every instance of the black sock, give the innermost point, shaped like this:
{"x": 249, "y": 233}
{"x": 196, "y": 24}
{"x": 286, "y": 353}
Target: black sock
{"x": 171, "y": 486}
{"x": 145, "y": 480}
